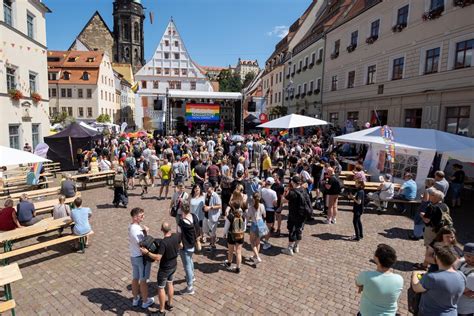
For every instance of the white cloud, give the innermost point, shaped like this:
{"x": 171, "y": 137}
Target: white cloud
{"x": 279, "y": 30}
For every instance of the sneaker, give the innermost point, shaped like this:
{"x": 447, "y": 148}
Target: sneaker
{"x": 226, "y": 264}
{"x": 256, "y": 260}
{"x": 194, "y": 279}
{"x": 148, "y": 303}
{"x": 168, "y": 307}
{"x": 277, "y": 233}
{"x": 333, "y": 221}
{"x": 189, "y": 291}
{"x": 237, "y": 270}
{"x": 287, "y": 251}
{"x": 296, "y": 249}
{"x": 135, "y": 301}
{"x": 266, "y": 246}
{"x": 327, "y": 221}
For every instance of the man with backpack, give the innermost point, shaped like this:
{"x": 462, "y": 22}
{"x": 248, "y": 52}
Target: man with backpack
{"x": 120, "y": 188}
{"x": 299, "y": 208}
{"x": 234, "y": 230}
{"x": 178, "y": 171}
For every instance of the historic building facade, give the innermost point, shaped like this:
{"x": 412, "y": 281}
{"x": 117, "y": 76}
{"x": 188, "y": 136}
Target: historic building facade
{"x": 23, "y": 73}
{"x": 402, "y": 63}
{"x": 170, "y": 67}
{"x": 245, "y": 67}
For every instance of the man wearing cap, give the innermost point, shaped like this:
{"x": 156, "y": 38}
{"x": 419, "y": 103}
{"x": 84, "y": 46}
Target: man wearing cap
{"x": 212, "y": 211}
{"x": 270, "y": 201}
{"x": 298, "y": 199}
{"x": 466, "y": 301}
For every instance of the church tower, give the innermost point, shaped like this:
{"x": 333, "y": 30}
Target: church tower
{"x": 128, "y": 33}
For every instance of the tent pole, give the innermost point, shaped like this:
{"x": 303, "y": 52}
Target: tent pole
{"x": 70, "y": 147}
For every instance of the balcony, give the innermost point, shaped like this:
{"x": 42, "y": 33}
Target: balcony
{"x": 399, "y": 27}
{"x": 372, "y": 39}
{"x": 433, "y": 14}
{"x": 462, "y": 3}
{"x": 351, "y": 48}
{"x": 334, "y": 55}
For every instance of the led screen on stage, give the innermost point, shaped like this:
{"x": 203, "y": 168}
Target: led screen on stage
{"x": 199, "y": 112}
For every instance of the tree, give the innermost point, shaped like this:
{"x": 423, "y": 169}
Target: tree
{"x": 58, "y": 117}
{"x": 103, "y": 118}
{"x": 248, "y": 79}
{"x": 229, "y": 82}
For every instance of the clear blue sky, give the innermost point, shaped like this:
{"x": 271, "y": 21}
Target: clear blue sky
{"x": 216, "y": 32}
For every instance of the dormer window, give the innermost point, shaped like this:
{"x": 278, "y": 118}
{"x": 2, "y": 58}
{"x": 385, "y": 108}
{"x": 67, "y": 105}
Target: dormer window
{"x": 71, "y": 59}
{"x": 67, "y": 75}
{"x": 90, "y": 59}
{"x": 85, "y": 75}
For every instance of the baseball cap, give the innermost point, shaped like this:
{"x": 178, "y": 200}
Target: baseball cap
{"x": 469, "y": 248}
{"x": 270, "y": 180}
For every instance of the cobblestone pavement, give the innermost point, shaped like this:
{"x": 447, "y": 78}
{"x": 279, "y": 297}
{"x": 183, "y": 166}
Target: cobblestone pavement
{"x": 319, "y": 280}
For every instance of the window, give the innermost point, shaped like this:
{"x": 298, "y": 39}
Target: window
{"x": 436, "y": 5}
{"x": 371, "y": 74}
{"x": 299, "y": 68}
{"x": 63, "y": 109}
{"x": 126, "y": 31}
{"x": 334, "y": 118}
{"x": 379, "y": 118}
{"x": 81, "y": 111}
{"x": 63, "y": 93}
{"x": 54, "y": 92}
{"x": 167, "y": 43}
{"x": 318, "y": 85}
{"x": 52, "y": 76}
{"x": 402, "y": 16}
{"x": 305, "y": 86}
{"x": 89, "y": 112}
{"x": 89, "y": 93}
{"x": 334, "y": 83}
{"x": 85, "y": 75}
{"x": 351, "y": 79}
{"x": 354, "y": 37}
{"x": 457, "y": 120}
{"x": 464, "y": 54}
{"x": 176, "y": 71}
{"x": 193, "y": 85}
{"x": 294, "y": 69}
{"x": 184, "y": 72}
{"x": 11, "y": 78}
{"x": 279, "y": 96}
{"x": 413, "y": 118}
{"x": 320, "y": 54}
{"x": 35, "y": 135}
{"x": 311, "y": 86}
{"x": 313, "y": 59}
{"x": 167, "y": 55}
{"x": 176, "y": 44}
{"x": 432, "y": 61}
{"x": 167, "y": 71}
{"x": 143, "y": 84}
{"x": 7, "y": 13}
{"x": 136, "y": 32}
{"x": 374, "y": 29}
{"x": 30, "y": 19}
{"x": 337, "y": 45}
{"x": 176, "y": 55}
{"x": 69, "y": 93}
{"x": 69, "y": 111}
{"x": 80, "y": 93}
{"x": 14, "y": 133}
{"x": 281, "y": 78}
{"x": 403, "y": 164}
{"x": 66, "y": 75}
{"x": 306, "y": 59}
{"x": 353, "y": 117}
{"x": 156, "y": 84}
{"x": 90, "y": 59}
{"x": 397, "y": 68}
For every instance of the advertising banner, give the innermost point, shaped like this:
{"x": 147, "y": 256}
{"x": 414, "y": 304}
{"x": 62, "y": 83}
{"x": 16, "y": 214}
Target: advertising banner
{"x": 200, "y": 112}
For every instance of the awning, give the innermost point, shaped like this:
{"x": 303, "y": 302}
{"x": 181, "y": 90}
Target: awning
{"x": 11, "y": 157}
{"x": 204, "y": 95}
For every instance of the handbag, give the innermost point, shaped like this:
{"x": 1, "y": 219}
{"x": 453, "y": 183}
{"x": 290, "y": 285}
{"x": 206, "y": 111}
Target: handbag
{"x": 262, "y": 228}
{"x": 176, "y": 206}
{"x": 413, "y": 301}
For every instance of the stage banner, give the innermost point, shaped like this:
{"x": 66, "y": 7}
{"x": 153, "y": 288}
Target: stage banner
{"x": 200, "y": 112}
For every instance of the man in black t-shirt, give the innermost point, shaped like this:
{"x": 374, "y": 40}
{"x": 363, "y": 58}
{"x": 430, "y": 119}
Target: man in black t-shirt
{"x": 167, "y": 256}
{"x": 200, "y": 174}
{"x": 279, "y": 189}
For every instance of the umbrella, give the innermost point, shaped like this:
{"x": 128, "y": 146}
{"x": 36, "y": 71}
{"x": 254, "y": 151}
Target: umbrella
{"x": 10, "y": 157}
{"x": 293, "y": 121}
{"x": 237, "y": 138}
{"x": 41, "y": 150}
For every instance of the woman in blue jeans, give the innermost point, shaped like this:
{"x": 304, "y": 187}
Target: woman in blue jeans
{"x": 189, "y": 228}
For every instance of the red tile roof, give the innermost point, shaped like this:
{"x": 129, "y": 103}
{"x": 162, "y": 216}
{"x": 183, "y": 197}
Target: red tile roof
{"x": 75, "y": 63}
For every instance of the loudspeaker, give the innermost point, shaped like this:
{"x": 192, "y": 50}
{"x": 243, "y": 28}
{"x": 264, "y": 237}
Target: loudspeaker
{"x": 158, "y": 105}
{"x": 252, "y": 107}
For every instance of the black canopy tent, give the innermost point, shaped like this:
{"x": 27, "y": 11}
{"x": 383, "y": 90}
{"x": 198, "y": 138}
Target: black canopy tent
{"x": 63, "y": 146}
{"x": 250, "y": 122}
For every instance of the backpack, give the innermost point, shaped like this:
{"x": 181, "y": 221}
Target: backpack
{"x": 305, "y": 208}
{"x": 151, "y": 244}
{"x": 446, "y": 219}
{"x": 237, "y": 226}
{"x": 118, "y": 180}
{"x": 178, "y": 169}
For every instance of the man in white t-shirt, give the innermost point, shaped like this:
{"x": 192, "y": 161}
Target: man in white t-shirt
{"x": 140, "y": 267}
{"x": 210, "y": 147}
{"x": 270, "y": 200}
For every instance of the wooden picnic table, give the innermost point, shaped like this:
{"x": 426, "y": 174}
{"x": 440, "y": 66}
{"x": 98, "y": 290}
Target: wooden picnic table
{"x": 368, "y": 185}
{"x": 22, "y": 178}
{"x": 89, "y": 177}
{"x": 36, "y": 193}
{"x": 46, "y": 206}
{"x": 8, "y": 275}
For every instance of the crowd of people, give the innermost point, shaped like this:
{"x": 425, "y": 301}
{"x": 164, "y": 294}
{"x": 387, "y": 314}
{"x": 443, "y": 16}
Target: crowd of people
{"x": 246, "y": 185}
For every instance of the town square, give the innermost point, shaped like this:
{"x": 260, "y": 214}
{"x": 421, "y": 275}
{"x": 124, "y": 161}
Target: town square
{"x": 303, "y": 157}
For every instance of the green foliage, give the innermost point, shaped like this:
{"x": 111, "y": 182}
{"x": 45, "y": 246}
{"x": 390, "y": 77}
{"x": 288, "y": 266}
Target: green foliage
{"x": 248, "y": 79}
{"x": 103, "y": 118}
{"x": 58, "y": 118}
{"x": 229, "y": 82}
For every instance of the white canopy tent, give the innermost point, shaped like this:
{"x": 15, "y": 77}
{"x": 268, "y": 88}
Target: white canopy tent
{"x": 293, "y": 121}
{"x": 423, "y": 144}
{"x": 12, "y": 157}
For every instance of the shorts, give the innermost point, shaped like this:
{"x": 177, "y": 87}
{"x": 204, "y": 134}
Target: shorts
{"x": 178, "y": 179}
{"x": 232, "y": 241}
{"x": 214, "y": 181}
{"x": 153, "y": 173}
{"x": 131, "y": 173}
{"x": 165, "y": 276}
{"x": 270, "y": 217}
{"x": 295, "y": 230}
{"x": 428, "y": 236}
{"x": 165, "y": 182}
{"x": 210, "y": 227}
{"x": 456, "y": 189}
{"x": 140, "y": 271}
{"x": 254, "y": 228}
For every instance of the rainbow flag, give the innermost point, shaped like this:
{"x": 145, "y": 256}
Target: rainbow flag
{"x": 284, "y": 133}
{"x": 197, "y": 112}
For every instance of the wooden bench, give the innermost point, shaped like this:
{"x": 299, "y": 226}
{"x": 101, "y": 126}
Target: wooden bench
{"x": 42, "y": 227}
{"x": 8, "y": 275}
{"x": 36, "y": 193}
{"x": 22, "y": 178}
{"x": 24, "y": 187}
{"x": 411, "y": 205}
{"x": 47, "y": 206}
{"x": 86, "y": 178}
